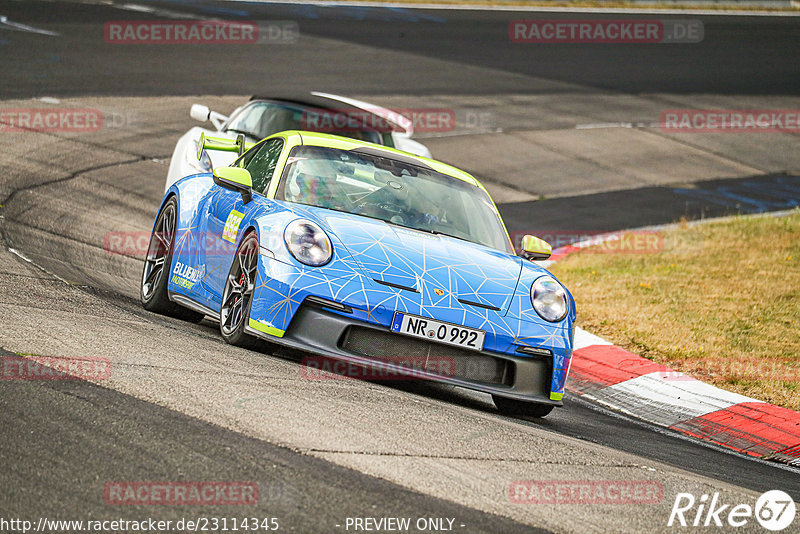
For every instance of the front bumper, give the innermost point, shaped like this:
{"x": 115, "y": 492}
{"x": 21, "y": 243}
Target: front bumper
{"x": 319, "y": 330}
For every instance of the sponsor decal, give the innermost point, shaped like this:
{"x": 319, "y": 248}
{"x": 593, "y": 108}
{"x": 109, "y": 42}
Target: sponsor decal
{"x": 186, "y": 276}
{"x": 231, "y": 228}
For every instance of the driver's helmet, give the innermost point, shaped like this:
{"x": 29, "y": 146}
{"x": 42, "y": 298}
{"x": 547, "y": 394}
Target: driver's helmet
{"x": 308, "y": 185}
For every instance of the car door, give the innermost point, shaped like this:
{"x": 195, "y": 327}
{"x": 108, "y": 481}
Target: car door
{"x": 228, "y": 213}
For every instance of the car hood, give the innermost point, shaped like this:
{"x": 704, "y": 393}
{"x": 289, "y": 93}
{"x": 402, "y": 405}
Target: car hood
{"x": 439, "y": 267}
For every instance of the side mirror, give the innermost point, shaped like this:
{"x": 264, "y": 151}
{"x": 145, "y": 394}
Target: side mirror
{"x": 235, "y": 179}
{"x": 535, "y": 249}
{"x": 200, "y": 112}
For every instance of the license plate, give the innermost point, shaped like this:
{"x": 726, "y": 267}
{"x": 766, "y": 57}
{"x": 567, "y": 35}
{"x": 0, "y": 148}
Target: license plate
{"x": 432, "y": 330}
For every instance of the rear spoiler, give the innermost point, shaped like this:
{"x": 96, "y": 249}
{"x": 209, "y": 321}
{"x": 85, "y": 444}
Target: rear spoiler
{"x": 222, "y": 144}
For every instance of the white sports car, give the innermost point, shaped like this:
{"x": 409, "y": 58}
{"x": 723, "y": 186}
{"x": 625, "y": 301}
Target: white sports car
{"x": 264, "y": 116}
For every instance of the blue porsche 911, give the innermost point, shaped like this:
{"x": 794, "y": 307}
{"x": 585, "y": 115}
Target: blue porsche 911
{"x": 358, "y": 252}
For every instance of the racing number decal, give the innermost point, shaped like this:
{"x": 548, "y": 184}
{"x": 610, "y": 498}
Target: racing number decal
{"x": 232, "y": 226}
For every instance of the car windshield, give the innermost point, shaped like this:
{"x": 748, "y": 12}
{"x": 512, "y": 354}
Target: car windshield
{"x": 394, "y": 191}
{"x": 262, "y": 119}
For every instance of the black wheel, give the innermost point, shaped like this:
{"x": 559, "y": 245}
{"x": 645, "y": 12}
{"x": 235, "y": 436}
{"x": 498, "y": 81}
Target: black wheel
{"x": 515, "y": 407}
{"x": 238, "y": 294}
{"x": 155, "y": 274}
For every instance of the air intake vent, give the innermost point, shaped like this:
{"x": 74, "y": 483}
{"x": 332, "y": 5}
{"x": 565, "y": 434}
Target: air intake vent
{"x": 479, "y": 305}
{"x": 469, "y": 365}
{"x": 397, "y": 286}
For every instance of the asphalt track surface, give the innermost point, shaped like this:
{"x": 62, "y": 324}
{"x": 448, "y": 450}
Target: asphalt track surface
{"x": 62, "y": 441}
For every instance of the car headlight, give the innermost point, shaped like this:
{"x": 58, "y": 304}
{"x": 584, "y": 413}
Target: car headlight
{"x": 549, "y": 299}
{"x": 308, "y": 243}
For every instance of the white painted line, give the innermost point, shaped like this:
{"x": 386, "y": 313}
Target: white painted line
{"x": 24, "y": 258}
{"x": 602, "y": 125}
{"x": 49, "y": 100}
{"x": 533, "y": 9}
{"x": 25, "y": 28}
{"x": 137, "y": 7}
{"x": 667, "y": 398}
{"x": 584, "y": 339}
{"x": 167, "y": 13}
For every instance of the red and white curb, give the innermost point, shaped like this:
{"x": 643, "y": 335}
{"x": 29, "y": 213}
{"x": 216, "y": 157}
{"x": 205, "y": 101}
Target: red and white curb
{"x": 628, "y": 383}
{"x": 654, "y": 393}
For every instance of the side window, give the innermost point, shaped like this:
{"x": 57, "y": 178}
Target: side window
{"x": 261, "y": 164}
{"x": 245, "y": 158}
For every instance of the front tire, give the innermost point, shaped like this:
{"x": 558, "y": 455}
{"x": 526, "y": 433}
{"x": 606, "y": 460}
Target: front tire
{"x": 155, "y": 274}
{"x": 514, "y": 407}
{"x": 237, "y": 297}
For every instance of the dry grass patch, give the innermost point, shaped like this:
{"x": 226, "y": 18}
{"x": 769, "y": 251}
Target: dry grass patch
{"x": 720, "y": 302}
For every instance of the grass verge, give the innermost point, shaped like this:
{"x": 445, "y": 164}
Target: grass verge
{"x": 719, "y": 301}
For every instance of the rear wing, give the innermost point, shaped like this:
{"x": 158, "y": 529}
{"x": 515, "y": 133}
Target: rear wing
{"x": 222, "y": 144}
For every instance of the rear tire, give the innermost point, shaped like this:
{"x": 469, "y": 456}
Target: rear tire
{"x": 155, "y": 274}
{"x": 237, "y": 297}
{"x": 515, "y": 407}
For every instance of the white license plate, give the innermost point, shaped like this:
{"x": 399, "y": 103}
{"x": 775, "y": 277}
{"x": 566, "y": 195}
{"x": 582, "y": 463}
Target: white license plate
{"x": 450, "y": 334}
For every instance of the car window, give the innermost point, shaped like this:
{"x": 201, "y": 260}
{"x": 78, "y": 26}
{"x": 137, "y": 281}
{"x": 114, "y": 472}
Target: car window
{"x": 399, "y": 193}
{"x": 261, "y": 164}
{"x": 262, "y": 119}
{"x": 245, "y": 158}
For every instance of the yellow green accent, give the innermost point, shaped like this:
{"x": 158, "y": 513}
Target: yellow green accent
{"x": 556, "y": 396}
{"x": 235, "y": 175}
{"x": 537, "y": 248}
{"x": 271, "y": 330}
{"x": 220, "y": 144}
{"x": 232, "y": 226}
{"x": 182, "y": 282}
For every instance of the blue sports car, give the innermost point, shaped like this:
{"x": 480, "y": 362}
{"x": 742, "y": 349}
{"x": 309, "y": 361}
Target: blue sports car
{"x": 359, "y": 252}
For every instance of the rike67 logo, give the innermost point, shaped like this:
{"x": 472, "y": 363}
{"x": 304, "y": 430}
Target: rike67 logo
{"x": 774, "y": 510}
